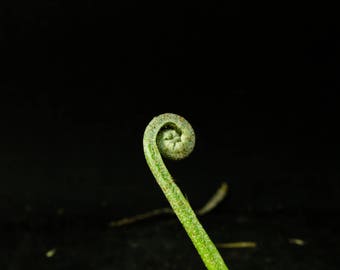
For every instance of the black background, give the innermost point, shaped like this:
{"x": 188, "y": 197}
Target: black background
{"x": 79, "y": 85}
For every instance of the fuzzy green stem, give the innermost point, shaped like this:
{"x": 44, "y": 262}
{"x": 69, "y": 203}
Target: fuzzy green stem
{"x": 173, "y": 137}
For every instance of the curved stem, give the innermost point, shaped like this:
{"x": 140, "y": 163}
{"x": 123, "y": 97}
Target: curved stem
{"x": 173, "y": 137}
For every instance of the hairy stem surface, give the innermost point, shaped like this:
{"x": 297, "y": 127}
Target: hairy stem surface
{"x": 172, "y": 136}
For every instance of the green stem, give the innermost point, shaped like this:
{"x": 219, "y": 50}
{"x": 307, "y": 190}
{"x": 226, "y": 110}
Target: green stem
{"x": 173, "y": 137}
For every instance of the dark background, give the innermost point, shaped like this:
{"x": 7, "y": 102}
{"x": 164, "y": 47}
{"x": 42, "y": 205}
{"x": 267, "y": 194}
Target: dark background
{"x": 78, "y": 87}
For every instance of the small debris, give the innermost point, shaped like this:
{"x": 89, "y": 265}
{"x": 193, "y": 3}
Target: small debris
{"x": 129, "y": 220}
{"x": 296, "y": 241}
{"x": 50, "y": 253}
{"x": 237, "y": 245}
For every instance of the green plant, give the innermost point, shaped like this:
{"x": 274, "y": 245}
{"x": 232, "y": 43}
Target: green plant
{"x": 171, "y": 136}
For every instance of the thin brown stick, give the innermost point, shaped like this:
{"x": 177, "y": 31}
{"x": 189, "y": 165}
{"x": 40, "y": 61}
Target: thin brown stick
{"x": 246, "y": 244}
{"x": 217, "y": 198}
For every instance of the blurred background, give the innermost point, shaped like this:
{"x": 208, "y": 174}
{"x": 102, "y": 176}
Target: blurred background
{"x": 80, "y": 82}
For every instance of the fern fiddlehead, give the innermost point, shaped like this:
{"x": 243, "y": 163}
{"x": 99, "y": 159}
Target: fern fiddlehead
{"x": 171, "y": 136}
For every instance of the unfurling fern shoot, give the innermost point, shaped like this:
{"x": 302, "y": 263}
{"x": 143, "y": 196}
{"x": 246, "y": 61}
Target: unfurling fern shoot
{"x": 171, "y": 136}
